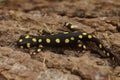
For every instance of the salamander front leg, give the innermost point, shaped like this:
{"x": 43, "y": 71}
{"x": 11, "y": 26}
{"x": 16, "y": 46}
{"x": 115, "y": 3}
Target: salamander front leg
{"x": 37, "y": 50}
{"x": 81, "y": 44}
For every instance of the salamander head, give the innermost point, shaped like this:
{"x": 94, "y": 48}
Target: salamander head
{"x": 26, "y": 41}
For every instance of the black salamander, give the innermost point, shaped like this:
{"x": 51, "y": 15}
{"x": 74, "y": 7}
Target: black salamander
{"x": 63, "y": 39}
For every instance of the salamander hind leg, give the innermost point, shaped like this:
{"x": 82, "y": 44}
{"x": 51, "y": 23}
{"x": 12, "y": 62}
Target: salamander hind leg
{"x": 106, "y": 51}
{"x": 71, "y": 27}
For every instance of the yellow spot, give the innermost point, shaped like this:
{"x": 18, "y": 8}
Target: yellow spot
{"x": 71, "y": 26}
{"x": 52, "y": 34}
{"x": 67, "y": 40}
{"x": 84, "y": 47}
{"x": 78, "y": 41}
{"x": 94, "y": 36}
{"x": 40, "y": 40}
{"x": 108, "y": 54}
{"x": 65, "y": 32}
{"x": 48, "y": 40}
{"x": 27, "y": 36}
{"x": 28, "y": 45}
{"x": 21, "y": 47}
{"x": 79, "y": 45}
{"x": 100, "y": 46}
{"x": 84, "y": 33}
{"x": 66, "y": 24}
{"x": 57, "y": 40}
{"x": 40, "y": 46}
{"x": 20, "y": 40}
{"x": 33, "y": 53}
{"x": 34, "y": 39}
{"x": 80, "y": 36}
{"x": 38, "y": 50}
{"x": 104, "y": 51}
{"x": 72, "y": 38}
{"x": 113, "y": 58}
{"x": 89, "y": 36}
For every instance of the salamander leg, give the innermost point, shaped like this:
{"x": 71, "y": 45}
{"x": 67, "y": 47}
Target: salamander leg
{"x": 71, "y": 27}
{"x": 37, "y": 50}
{"x": 81, "y": 44}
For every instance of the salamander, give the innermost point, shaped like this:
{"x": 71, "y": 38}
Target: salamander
{"x": 64, "y": 39}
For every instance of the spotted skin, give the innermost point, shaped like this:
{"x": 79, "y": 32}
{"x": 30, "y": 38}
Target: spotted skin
{"x": 57, "y": 40}
{"x": 63, "y": 39}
